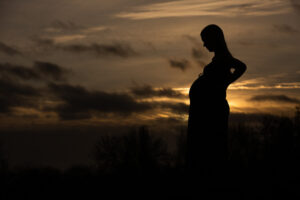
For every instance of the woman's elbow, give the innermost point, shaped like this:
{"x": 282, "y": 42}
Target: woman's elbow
{"x": 243, "y": 67}
{"x": 239, "y": 65}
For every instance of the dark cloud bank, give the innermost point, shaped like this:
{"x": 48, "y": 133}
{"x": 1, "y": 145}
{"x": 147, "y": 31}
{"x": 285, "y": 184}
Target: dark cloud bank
{"x": 177, "y": 108}
{"x": 13, "y": 94}
{"x": 275, "y": 98}
{"x": 80, "y": 103}
{"x": 100, "y": 50}
{"x": 74, "y": 101}
{"x": 39, "y": 71}
{"x": 148, "y": 91}
{"x": 15, "y": 91}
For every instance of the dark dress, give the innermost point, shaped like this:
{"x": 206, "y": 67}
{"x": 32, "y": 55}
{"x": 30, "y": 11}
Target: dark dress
{"x": 208, "y": 119}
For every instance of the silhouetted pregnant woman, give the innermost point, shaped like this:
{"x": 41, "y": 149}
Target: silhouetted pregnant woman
{"x": 209, "y": 110}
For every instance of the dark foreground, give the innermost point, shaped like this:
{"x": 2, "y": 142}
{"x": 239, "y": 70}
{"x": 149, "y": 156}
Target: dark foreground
{"x": 263, "y": 163}
{"x": 80, "y": 182}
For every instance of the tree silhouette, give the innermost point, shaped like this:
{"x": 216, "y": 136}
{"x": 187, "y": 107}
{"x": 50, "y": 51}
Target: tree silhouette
{"x": 137, "y": 152}
{"x": 181, "y": 149}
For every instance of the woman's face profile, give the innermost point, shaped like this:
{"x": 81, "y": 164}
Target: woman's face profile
{"x": 208, "y": 43}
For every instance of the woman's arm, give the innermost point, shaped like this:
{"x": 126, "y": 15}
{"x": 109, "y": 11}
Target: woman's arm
{"x": 239, "y": 69}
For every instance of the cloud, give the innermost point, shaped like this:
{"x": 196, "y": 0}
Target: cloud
{"x": 79, "y": 103}
{"x": 117, "y": 49}
{"x": 15, "y": 88}
{"x": 76, "y": 102}
{"x": 14, "y": 94}
{"x": 59, "y": 26}
{"x": 296, "y": 5}
{"x": 275, "y": 98}
{"x": 198, "y": 56}
{"x": 285, "y": 28}
{"x": 192, "y": 39}
{"x": 48, "y": 69}
{"x": 197, "y": 52}
{"x": 246, "y": 42}
{"x": 178, "y": 108}
{"x": 67, "y": 38}
{"x": 44, "y": 42}
{"x": 100, "y": 50}
{"x": 182, "y": 64}
{"x": 72, "y": 102}
{"x": 40, "y": 71}
{"x": 95, "y": 29}
{"x": 188, "y": 8}
{"x": 9, "y": 50}
{"x": 267, "y": 82}
{"x": 149, "y": 91}
{"x": 18, "y": 71}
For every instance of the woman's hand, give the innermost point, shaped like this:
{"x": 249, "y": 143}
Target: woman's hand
{"x": 239, "y": 69}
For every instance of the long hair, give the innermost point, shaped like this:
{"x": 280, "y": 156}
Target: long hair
{"x": 214, "y": 32}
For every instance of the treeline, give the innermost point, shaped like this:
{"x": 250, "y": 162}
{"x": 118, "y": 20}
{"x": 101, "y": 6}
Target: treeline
{"x": 263, "y": 156}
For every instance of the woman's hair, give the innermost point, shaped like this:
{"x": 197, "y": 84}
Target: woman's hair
{"x": 214, "y": 32}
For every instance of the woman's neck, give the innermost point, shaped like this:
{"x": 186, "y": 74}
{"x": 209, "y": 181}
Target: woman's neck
{"x": 221, "y": 53}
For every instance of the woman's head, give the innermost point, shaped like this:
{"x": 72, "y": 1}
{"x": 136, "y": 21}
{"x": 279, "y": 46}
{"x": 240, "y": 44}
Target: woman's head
{"x": 213, "y": 38}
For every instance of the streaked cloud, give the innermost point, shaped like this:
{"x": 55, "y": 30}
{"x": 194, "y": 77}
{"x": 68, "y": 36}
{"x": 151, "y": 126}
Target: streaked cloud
{"x": 59, "y": 26}
{"x": 99, "y": 50}
{"x": 8, "y": 50}
{"x": 296, "y": 5}
{"x": 187, "y": 8}
{"x": 64, "y": 31}
{"x": 18, "y": 71}
{"x": 147, "y": 91}
{"x": 285, "y": 28}
{"x": 14, "y": 94}
{"x": 80, "y": 103}
{"x": 176, "y": 108}
{"x": 275, "y": 98}
{"x": 67, "y": 38}
{"x": 294, "y": 85}
{"x": 181, "y": 64}
{"x": 117, "y": 49}
{"x": 39, "y": 71}
{"x": 94, "y": 29}
{"x": 52, "y": 70}
{"x": 263, "y": 83}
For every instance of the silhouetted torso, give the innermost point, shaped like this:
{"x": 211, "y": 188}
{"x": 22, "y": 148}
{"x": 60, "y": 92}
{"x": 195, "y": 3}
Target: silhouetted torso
{"x": 208, "y": 118}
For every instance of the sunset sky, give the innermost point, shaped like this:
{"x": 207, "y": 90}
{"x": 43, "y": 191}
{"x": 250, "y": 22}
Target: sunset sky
{"x": 101, "y": 61}
{"x": 121, "y": 62}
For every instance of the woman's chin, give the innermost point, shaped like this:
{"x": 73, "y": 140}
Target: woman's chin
{"x": 210, "y": 49}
